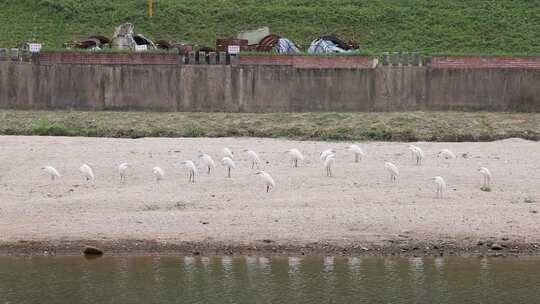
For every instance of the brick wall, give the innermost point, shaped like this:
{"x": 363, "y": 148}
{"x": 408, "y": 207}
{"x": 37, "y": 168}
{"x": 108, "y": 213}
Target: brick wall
{"x": 311, "y": 62}
{"x": 299, "y": 62}
{"x": 266, "y": 60}
{"x": 471, "y": 62}
{"x": 107, "y": 58}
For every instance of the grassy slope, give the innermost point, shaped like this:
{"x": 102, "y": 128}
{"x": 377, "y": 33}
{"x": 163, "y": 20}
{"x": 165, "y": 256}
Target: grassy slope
{"x": 408, "y": 126}
{"x": 448, "y": 26}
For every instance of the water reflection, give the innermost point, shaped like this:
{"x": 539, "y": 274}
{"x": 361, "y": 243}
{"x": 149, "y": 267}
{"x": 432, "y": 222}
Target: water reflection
{"x": 205, "y": 261}
{"x": 294, "y": 265}
{"x": 439, "y": 263}
{"x": 227, "y": 264}
{"x": 264, "y": 264}
{"x": 268, "y": 280}
{"x": 189, "y": 263}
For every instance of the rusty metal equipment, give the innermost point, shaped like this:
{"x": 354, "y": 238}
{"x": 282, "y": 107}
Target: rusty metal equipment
{"x": 163, "y": 45}
{"x": 183, "y": 48}
{"x": 92, "y": 42}
{"x": 268, "y": 43}
{"x": 87, "y": 44}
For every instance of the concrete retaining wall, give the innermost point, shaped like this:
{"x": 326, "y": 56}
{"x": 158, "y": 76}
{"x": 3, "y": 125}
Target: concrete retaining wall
{"x": 263, "y": 88}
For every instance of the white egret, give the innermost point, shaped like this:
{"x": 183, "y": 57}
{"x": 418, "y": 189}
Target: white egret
{"x": 269, "y": 181}
{"x": 87, "y": 172}
{"x": 327, "y": 153}
{"x": 228, "y": 153}
{"x": 329, "y": 163}
{"x": 296, "y": 155}
{"x": 158, "y": 173}
{"x": 254, "y": 157}
{"x": 487, "y": 176}
{"x": 229, "y": 164}
{"x": 53, "y": 173}
{"x": 392, "y": 169}
{"x": 411, "y": 148}
{"x": 447, "y": 154}
{"x": 417, "y": 153}
{"x": 441, "y": 185}
{"x": 207, "y": 161}
{"x": 192, "y": 169}
{"x": 358, "y": 152}
{"x": 122, "y": 170}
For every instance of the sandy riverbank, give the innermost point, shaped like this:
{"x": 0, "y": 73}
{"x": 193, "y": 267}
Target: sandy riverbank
{"x": 357, "y": 211}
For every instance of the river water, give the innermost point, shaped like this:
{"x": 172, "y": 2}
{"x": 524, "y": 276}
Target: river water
{"x": 163, "y": 279}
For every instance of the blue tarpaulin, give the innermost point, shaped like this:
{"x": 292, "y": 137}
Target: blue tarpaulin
{"x": 322, "y": 46}
{"x": 285, "y": 46}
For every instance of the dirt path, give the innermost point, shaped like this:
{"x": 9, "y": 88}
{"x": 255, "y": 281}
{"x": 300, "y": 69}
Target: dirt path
{"x": 358, "y": 209}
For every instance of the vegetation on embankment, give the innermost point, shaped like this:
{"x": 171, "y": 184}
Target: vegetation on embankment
{"x": 487, "y": 27}
{"x": 404, "y": 126}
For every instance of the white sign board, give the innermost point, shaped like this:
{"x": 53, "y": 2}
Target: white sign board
{"x": 34, "y": 47}
{"x": 141, "y": 48}
{"x": 233, "y": 49}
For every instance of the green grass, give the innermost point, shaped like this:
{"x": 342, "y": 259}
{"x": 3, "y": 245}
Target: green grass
{"x": 404, "y": 126}
{"x": 447, "y": 26}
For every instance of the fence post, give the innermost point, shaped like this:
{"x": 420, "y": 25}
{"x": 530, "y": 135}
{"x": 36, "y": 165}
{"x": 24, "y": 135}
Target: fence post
{"x": 202, "y": 58}
{"x": 395, "y": 58}
{"x": 212, "y": 58}
{"x": 191, "y": 58}
{"x": 3, "y": 54}
{"x": 222, "y": 58}
{"x": 35, "y": 58}
{"x": 234, "y": 59}
{"x": 14, "y": 54}
{"x": 180, "y": 59}
{"x": 416, "y": 59}
{"x": 405, "y": 58}
{"x": 385, "y": 58}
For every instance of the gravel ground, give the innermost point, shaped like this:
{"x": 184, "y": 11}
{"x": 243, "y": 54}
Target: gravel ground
{"x": 358, "y": 205}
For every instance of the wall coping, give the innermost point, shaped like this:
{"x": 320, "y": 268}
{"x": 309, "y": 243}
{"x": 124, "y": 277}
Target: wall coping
{"x": 296, "y": 61}
{"x": 475, "y": 62}
{"x": 107, "y": 58}
{"x": 311, "y": 62}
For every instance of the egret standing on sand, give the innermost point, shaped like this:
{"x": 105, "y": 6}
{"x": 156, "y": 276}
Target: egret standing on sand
{"x": 87, "y": 172}
{"x": 296, "y": 155}
{"x": 441, "y": 185}
{"x": 53, "y": 173}
{"x": 329, "y": 163}
{"x": 158, "y": 173}
{"x": 122, "y": 170}
{"x": 358, "y": 152}
{"x": 326, "y": 153}
{"x": 229, "y": 164}
{"x": 207, "y": 161}
{"x": 270, "y": 184}
{"x": 417, "y": 153}
{"x": 255, "y": 160}
{"x": 392, "y": 169}
{"x": 487, "y": 176}
{"x": 228, "y": 153}
{"x": 446, "y": 154}
{"x": 192, "y": 170}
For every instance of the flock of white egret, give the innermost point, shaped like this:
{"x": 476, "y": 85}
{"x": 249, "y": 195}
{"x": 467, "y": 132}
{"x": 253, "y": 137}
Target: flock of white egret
{"x": 327, "y": 158}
